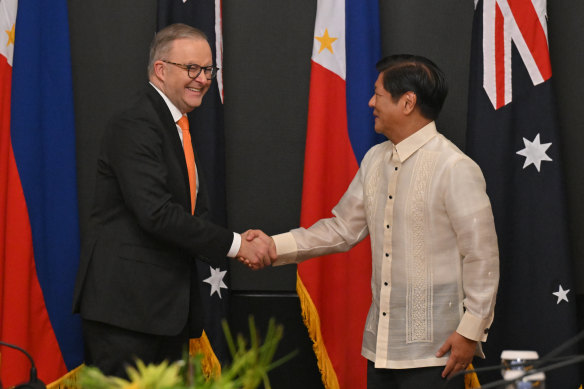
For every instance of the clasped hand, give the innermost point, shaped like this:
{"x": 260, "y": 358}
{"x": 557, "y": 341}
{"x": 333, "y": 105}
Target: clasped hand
{"x": 257, "y": 249}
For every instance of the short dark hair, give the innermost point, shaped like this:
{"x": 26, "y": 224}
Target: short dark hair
{"x": 162, "y": 42}
{"x": 405, "y": 72}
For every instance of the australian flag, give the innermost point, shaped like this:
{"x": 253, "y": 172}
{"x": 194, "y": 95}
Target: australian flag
{"x": 208, "y": 134}
{"x": 513, "y": 135}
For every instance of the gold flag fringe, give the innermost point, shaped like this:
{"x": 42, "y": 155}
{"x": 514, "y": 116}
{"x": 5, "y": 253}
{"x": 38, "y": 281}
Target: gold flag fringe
{"x": 68, "y": 381}
{"x": 327, "y": 371}
{"x": 312, "y": 323}
{"x": 212, "y": 367}
{"x": 210, "y": 363}
{"x": 471, "y": 380}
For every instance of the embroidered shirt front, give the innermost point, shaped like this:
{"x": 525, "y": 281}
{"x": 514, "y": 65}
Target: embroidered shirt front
{"x": 431, "y": 227}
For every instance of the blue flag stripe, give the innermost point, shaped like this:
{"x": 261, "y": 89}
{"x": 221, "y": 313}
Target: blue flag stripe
{"x": 363, "y": 51}
{"x": 43, "y": 139}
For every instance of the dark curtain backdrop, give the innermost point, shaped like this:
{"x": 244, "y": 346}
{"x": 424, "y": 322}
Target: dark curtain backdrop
{"x": 267, "y": 47}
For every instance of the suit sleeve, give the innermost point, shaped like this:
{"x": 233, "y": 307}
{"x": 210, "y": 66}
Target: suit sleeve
{"x": 150, "y": 180}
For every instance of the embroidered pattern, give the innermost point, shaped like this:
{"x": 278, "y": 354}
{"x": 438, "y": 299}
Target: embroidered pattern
{"x": 371, "y": 186}
{"x": 419, "y": 324}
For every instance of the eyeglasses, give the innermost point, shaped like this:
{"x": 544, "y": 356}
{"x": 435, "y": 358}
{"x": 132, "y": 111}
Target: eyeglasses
{"x": 194, "y": 70}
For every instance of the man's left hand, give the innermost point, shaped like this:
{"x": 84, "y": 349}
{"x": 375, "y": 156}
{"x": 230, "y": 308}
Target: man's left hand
{"x": 461, "y": 352}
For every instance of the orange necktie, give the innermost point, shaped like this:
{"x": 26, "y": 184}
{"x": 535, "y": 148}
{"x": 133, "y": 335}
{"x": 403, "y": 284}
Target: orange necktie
{"x": 183, "y": 123}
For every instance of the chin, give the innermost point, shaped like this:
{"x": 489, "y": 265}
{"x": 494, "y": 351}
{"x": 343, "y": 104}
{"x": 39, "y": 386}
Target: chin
{"x": 194, "y": 104}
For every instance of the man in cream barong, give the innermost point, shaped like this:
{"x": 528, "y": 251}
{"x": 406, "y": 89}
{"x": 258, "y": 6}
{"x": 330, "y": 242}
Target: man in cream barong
{"x": 435, "y": 265}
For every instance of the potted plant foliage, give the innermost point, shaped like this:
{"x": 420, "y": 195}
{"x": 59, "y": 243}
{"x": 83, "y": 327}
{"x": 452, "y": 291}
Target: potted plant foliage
{"x": 249, "y": 368}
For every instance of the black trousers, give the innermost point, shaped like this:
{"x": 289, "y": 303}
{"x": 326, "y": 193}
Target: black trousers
{"x": 419, "y": 378}
{"x": 112, "y": 348}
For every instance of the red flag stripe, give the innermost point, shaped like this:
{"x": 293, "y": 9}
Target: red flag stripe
{"x": 340, "y": 280}
{"x": 24, "y": 320}
{"x": 500, "y": 56}
{"x": 329, "y": 161}
{"x": 533, "y": 33}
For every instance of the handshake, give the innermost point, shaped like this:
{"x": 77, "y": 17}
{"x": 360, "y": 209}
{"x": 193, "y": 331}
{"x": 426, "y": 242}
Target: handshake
{"x": 257, "y": 249}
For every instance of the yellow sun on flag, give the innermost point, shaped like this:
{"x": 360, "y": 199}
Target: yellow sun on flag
{"x": 326, "y": 41}
{"x": 10, "y": 35}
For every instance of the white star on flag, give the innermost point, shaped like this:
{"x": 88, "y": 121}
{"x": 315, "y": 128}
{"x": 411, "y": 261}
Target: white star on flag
{"x": 534, "y": 152}
{"x": 562, "y": 294}
{"x": 216, "y": 280}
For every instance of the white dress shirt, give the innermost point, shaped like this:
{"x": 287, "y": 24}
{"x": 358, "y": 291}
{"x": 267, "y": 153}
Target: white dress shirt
{"x": 435, "y": 256}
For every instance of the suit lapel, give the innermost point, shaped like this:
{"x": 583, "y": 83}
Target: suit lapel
{"x": 169, "y": 126}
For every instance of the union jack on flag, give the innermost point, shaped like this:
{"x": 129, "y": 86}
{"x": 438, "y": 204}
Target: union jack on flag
{"x": 523, "y": 23}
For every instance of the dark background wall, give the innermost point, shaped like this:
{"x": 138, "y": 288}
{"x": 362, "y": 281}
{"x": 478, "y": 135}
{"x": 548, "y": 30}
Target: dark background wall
{"x": 267, "y": 48}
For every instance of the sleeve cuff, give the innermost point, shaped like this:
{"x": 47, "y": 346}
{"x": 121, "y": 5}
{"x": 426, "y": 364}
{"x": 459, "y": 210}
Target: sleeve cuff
{"x": 235, "y": 246}
{"x": 474, "y": 328}
{"x": 285, "y": 248}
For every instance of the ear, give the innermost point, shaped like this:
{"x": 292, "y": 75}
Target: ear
{"x": 409, "y": 100}
{"x": 159, "y": 70}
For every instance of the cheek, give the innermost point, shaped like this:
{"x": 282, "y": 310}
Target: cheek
{"x": 384, "y": 116}
{"x": 380, "y": 110}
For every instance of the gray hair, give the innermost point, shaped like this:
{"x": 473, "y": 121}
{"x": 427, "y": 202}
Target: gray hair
{"x": 162, "y": 42}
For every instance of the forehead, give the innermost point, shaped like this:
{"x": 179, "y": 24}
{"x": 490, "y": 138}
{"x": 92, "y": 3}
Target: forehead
{"x": 379, "y": 81}
{"x": 187, "y": 50}
{"x": 379, "y": 84}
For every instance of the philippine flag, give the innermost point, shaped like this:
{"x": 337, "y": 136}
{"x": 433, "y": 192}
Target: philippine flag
{"x": 335, "y": 290}
{"x": 39, "y": 234}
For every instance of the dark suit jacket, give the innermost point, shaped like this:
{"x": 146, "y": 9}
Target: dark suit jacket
{"x": 137, "y": 262}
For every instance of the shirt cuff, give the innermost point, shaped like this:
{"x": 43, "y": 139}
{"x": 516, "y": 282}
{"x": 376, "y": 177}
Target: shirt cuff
{"x": 235, "y": 246}
{"x": 474, "y": 328}
{"x": 285, "y": 248}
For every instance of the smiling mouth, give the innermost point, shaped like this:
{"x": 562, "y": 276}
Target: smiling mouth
{"x": 194, "y": 89}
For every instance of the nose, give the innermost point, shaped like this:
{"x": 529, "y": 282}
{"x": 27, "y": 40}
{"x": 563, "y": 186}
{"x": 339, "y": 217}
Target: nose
{"x": 372, "y": 102}
{"x": 201, "y": 78}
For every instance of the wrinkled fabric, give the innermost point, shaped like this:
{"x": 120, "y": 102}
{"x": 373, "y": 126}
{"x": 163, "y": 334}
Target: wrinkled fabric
{"x": 434, "y": 246}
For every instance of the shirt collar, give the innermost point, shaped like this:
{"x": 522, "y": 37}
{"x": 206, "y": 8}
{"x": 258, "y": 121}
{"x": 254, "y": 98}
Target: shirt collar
{"x": 174, "y": 111}
{"x": 414, "y": 142}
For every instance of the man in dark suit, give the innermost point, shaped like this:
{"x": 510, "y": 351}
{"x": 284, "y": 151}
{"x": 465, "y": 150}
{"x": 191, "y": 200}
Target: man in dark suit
{"x": 135, "y": 289}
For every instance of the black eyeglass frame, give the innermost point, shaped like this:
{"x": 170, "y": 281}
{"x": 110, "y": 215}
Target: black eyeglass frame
{"x": 213, "y": 69}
